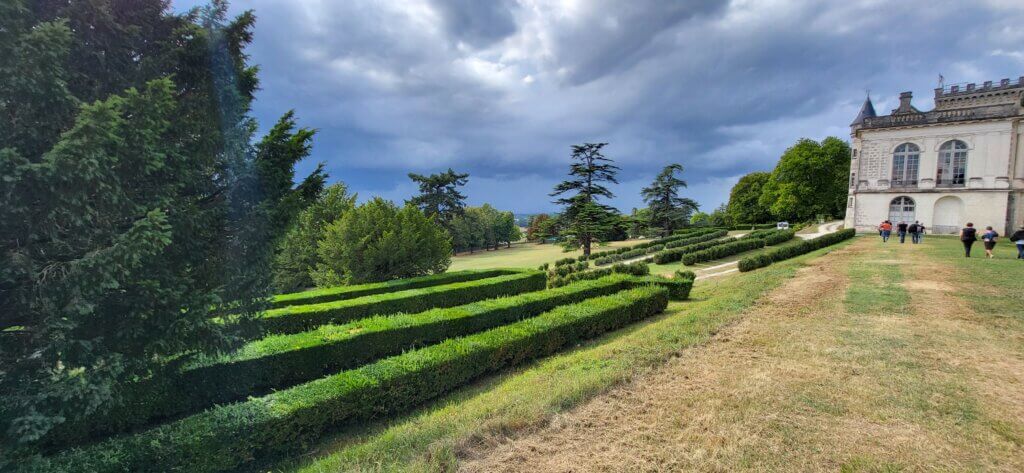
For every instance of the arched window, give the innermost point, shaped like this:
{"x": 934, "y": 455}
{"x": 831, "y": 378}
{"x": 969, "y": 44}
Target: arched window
{"x": 901, "y": 209}
{"x": 905, "y": 162}
{"x": 952, "y": 164}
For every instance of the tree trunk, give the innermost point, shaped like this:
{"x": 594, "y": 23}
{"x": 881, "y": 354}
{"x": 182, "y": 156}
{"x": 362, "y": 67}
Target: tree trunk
{"x": 586, "y": 246}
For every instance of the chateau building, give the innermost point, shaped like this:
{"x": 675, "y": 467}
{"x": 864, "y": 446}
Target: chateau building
{"x": 961, "y": 161}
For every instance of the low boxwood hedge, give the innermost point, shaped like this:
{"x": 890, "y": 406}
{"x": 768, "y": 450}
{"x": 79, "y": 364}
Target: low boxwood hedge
{"x": 288, "y": 421}
{"x": 329, "y": 294}
{"x": 294, "y": 319}
{"x": 721, "y": 251}
{"x": 778, "y": 254}
{"x": 286, "y": 360}
{"x": 676, "y": 254}
{"x": 774, "y": 237}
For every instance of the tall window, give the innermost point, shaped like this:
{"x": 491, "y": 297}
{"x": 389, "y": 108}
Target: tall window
{"x": 952, "y": 164}
{"x": 905, "y": 162}
{"x": 901, "y": 209}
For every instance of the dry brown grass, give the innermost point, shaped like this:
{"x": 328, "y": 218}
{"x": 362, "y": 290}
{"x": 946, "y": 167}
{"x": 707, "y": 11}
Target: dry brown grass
{"x": 801, "y": 385}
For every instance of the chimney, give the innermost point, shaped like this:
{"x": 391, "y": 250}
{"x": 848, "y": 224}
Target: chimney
{"x": 905, "y": 102}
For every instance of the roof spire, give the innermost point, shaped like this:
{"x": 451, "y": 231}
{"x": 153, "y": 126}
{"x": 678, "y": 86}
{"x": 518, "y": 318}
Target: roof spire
{"x": 866, "y": 111}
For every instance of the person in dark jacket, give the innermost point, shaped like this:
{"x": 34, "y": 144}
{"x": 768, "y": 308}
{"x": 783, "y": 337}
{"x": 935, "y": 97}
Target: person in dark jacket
{"x": 968, "y": 235}
{"x": 915, "y": 232}
{"x": 1018, "y": 239}
{"x": 901, "y": 230}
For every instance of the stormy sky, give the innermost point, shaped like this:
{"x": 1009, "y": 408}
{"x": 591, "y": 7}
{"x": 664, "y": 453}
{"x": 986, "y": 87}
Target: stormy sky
{"x": 501, "y": 88}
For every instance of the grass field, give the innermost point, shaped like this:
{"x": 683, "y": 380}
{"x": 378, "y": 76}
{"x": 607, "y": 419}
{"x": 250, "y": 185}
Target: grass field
{"x": 858, "y": 357}
{"x": 437, "y": 436}
{"x": 876, "y": 357}
{"x": 524, "y": 255}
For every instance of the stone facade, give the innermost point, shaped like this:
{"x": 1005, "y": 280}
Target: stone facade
{"x": 962, "y": 161}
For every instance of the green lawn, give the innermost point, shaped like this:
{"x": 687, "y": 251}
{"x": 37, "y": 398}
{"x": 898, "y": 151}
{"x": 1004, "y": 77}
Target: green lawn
{"x": 430, "y": 438}
{"x": 524, "y": 255}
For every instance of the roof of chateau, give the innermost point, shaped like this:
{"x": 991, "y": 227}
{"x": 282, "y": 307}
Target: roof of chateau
{"x": 954, "y": 103}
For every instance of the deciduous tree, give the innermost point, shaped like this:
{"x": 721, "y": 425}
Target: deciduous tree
{"x": 744, "y": 199}
{"x": 810, "y": 180}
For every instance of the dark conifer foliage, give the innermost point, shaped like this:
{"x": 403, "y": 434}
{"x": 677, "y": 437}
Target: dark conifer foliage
{"x": 439, "y": 196}
{"x": 133, "y": 202}
{"x": 586, "y": 218}
{"x": 668, "y": 211}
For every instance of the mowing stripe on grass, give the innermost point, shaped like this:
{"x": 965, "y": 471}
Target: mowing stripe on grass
{"x": 876, "y": 289}
{"x": 294, "y": 319}
{"x": 282, "y": 361}
{"x": 227, "y": 437}
{"x": 329, "y": 294}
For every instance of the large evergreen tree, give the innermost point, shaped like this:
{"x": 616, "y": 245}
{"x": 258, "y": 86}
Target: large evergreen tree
{"x": 668, "y": 211}
{"x": 586, "y": 218}
{"x": 132, "y": 200}
{"x": 439, "y": 195}
{"x": 298, "y": 264}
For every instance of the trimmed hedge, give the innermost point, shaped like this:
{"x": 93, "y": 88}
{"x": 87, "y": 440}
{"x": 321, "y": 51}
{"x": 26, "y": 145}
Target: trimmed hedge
{"x": 774, "y": 237}
{"x": 702, "y": 236}
{"x": 301, "y": 318}
{"x": 318, "y": 296}
{"x": 676, "y": 254}
{"x": 635, "y": 269}
{"x": 286, "y": 360}
{"x": 227, "y": 437}
{"x": 721, "y": 251}
{"x": 778, "y": 254}
{"x": 753, "y": 226}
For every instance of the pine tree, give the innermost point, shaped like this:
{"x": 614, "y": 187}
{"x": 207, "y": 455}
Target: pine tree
{"x": 586, "y": 218}
{"x": 132, "y": 201}
{"x": 439, "y": 195}
{"x": 667, "y": 210}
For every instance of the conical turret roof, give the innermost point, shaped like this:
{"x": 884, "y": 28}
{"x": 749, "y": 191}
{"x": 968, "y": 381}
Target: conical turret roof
{"x": 866, "y": 111}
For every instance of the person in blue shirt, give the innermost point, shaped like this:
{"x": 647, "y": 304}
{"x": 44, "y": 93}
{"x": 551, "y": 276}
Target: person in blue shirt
{"x": 989, "y": 238}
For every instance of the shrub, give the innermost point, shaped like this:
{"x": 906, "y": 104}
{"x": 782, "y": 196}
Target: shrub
{"x": 697, "y": 239}
{"x": 685, "y": 274}
{"x": 378, "y": 241}
{"x": 297, "y": 259}
{"x": 285, "y": 360}
{"x": 565, "y": 261}
{"x": 351, "y": 292}
{"x": 778, "y": 236}
{"x": 676, "y": 254}
{"x": 300, "y": 318}
{"x": 778, "y": 254}
{"x": 721, "y": 251}
{"x": 752, "y": 226}
{"x": 226, "y": 437}
{"x": 636, "y": 268}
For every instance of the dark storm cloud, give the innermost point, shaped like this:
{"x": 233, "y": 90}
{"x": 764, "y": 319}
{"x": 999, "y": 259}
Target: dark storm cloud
{"x": 502, "y": 89}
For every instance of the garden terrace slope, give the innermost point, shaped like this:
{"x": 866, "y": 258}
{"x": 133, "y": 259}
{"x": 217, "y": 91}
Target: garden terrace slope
{"x": 294, "y": 319}
{"x": 317, "y": 296}
{"x": 282, "y": 361}
{"x": 226, "y": 437}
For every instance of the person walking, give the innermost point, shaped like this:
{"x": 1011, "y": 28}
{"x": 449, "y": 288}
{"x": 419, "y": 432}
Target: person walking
{"x": 1018, "y": 239}
{"x": 886, "y": 230}
{"x": 901, "y": 230}
{"x": 968, "y": 235}
{"x": 915, "y": 232}
{"x": 920, "y": 232}
{"x": 989, "y": 238}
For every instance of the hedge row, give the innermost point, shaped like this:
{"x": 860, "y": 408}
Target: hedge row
{"x": 676, "y": 254}
{"x": 678, "y": 240}
{"x": 294, "y": 319}
{"x": 778, "y": 254}
{"x": 635, "y": 269}
{"x": 721, "y": 251}
{"x": 566, "y": 268}
{"x": 226, "y": 437}
{"x": 708, "y": 236}
{"x": 329, "y": 294}
{"x": 753, "y": 226}
{"x": 775, "y": 237}
{"x": 286, "y": 360}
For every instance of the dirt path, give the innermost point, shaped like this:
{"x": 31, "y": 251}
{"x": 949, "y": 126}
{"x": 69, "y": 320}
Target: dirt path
{"x": 803, "y": 384}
